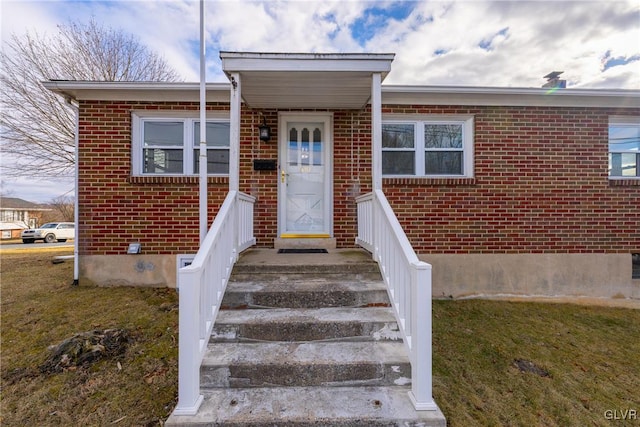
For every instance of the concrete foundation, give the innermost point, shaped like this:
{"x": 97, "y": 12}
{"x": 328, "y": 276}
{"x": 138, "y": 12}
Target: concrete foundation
{"x": 592, "y": 275}
{"x": 454, "y": 275}
{"x": 128, "y": 270}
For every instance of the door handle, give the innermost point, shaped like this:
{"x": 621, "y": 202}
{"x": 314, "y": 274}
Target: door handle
{"x": 282, "y": 175}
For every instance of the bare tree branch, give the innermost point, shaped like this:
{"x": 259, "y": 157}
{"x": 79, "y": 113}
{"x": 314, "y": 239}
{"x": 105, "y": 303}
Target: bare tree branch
{"x": 36, "y": 126}
{"x": 62, "y": 209}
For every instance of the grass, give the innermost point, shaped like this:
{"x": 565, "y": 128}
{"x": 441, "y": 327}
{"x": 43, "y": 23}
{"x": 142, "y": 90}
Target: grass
{"x": 41, "y": 309}
{"x": 591, "y": 355}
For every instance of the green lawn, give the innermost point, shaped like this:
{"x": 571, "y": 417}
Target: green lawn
{"x": 586, "y": 359}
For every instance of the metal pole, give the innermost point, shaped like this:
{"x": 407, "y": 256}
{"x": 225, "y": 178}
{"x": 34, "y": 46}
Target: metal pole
{"x": 76, "y": 203}
{"x": 203, "y": 131}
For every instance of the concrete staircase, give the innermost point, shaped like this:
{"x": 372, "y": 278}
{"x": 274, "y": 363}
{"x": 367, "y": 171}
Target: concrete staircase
{"x": 306, "y": 340}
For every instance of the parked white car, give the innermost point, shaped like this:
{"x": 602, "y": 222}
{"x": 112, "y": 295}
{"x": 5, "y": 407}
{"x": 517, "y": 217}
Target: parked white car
{"x": 50, "y": 232}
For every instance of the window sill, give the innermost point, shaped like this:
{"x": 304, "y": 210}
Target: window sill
{"x": 428, "y": 181}
{"x": 176, "y": 179}
{"x": 624, "y": 182}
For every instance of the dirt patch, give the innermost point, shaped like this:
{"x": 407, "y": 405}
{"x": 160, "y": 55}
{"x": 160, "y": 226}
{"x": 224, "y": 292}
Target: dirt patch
{"x": 528, "y": 366}
{"x": 86, "y": 348}
{"x": 14, "y": 375}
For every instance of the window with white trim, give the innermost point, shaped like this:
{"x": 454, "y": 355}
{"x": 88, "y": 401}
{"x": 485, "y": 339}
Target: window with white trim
{"x": 624, "y": 147}
{"x": 167, "y": 144}
{"x": 435, "y": 146}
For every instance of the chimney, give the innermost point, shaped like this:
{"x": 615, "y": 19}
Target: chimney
{"x": 553, "y": 81}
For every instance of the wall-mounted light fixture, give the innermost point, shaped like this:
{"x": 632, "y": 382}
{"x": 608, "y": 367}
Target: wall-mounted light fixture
{"x": 134, "y": 248}
{"x": 264, "y": 130}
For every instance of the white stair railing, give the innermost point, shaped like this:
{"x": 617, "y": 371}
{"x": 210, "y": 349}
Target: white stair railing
{"x": 201, "y": 287}
{"x": 408, "y": 282}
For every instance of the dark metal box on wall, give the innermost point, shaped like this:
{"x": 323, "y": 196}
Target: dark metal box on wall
{"x": 264, "y": 165}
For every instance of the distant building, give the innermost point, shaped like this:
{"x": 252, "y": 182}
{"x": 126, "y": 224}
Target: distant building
{"x": 17, "y": 215}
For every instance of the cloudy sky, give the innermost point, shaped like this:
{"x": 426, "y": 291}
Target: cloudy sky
{"x": 468, "y": 43}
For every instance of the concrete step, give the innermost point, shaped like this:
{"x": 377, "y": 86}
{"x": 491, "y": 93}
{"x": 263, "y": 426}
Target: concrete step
{"x": 310, "y": 407}
{"x": 267, "y": 261}
{"x": 304, "y": 324}
{"x": 357, "y": 268}
{"x": 306, "y": 291}
{"x": 306, "y": 340}
{"x": 289, "y": 364}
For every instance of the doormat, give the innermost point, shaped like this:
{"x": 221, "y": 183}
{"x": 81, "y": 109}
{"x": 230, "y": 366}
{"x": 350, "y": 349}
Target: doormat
{"x": 302, "y": 251}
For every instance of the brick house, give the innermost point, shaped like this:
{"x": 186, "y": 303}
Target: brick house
{"x": 501, "y": 190}
{"x": 18, "y": 214}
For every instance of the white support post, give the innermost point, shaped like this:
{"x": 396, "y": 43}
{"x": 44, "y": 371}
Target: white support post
{"x": 234, "y": 149}
{"x": 376, "y": 152}
{"x": 189, "y": 360}
{"x": 376, "y": 130}
{"x": 421, "y": 366}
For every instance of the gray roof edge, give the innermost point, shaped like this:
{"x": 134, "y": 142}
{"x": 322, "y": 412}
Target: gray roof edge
{"x": 405, "y": 89}
{"x": 451, "y": 95}
{"x": 498, "y": 90}
{"x": 104, "y": 85}
{"x": 510, "y": 96}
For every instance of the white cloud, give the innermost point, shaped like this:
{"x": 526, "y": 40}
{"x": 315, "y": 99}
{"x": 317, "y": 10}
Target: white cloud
{"x": 438, "y": 43}
{"x": 18, "y": 16}
{"x": 565, "y": 36}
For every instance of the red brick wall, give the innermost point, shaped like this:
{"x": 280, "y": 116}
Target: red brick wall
{"x": 540, "y": 186}
{"x": 351, "y": 159}
{"x": 162, "y": 212}
{"x": 116, "y": 208}
{"x": 262, "y": 184}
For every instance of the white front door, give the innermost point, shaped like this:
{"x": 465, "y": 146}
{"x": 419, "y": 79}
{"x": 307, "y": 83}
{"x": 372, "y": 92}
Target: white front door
{"x": 305, "y": 200}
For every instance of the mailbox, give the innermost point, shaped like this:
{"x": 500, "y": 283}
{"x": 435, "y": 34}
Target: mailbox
{"x": 264, "y": 165}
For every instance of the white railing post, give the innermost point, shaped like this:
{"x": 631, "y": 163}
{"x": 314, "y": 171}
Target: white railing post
{"x": 408, "y": 282}
{"x": 201, "y": 287}
{"x": 365, "y": 221}
{"x": 421, "y": 366}
{"x": 189, "y": 397}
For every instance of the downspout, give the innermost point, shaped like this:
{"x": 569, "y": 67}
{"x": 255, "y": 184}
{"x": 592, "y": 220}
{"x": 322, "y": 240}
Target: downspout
{"x": 76, "y": 204}
{"x": 203, "y": 131}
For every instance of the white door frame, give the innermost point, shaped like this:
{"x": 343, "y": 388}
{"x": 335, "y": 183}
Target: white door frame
{"x": 327, "y": 119}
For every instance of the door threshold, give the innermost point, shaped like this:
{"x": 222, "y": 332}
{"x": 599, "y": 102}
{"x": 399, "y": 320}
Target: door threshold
{"x": 305, "y": 243}
{"x": 303, "y": 251}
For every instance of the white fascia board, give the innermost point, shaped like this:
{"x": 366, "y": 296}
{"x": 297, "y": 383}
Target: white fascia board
{"x": 137, "y": 91}
{"x": 324, "y": 62}
{"x": 493, "y": 96}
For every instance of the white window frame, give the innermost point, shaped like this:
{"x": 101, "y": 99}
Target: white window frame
{"x": 419, "y": 121}
{"x": 623, "y": 121}
{"x": 188, "y": 118}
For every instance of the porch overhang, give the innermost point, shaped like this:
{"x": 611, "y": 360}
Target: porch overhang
{"x": 301, "y": 80}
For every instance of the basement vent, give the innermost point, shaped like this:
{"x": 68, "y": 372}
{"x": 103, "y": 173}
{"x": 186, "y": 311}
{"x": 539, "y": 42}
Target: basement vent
{"x": 302, "y": 251}
{"x": 635, "y": 262}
